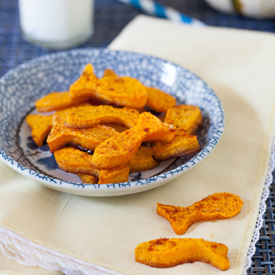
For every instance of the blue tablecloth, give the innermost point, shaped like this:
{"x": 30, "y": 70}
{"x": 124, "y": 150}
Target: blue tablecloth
{"x": 110, "y": 18}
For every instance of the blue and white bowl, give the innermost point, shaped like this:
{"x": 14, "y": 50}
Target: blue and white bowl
{"x": 21, "y": 87}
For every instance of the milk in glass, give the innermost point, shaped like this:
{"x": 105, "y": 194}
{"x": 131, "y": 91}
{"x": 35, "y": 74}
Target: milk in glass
{"x": 56, "y": 23}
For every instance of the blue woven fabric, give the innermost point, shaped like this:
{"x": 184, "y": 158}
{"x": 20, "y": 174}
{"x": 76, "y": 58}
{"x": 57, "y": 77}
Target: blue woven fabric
{"x": 110, "y": 18}
{"x": 264, "y": 257}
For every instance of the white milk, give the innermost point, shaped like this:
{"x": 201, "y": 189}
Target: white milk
{"x": 57, "y": 23}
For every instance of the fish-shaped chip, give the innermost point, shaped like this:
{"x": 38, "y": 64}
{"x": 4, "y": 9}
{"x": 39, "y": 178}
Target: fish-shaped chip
{"x": 88, "y": 116}
{"x": 121, "y": 149}
{"x": 166, "y": 253}
{"x": 121, "y": 91}
{"x": 88, "y": 139}
{"x": 214, "y": 207}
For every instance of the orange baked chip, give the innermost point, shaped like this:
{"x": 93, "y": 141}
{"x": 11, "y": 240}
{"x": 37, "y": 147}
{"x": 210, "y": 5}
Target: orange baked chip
{"x": 143, "y": 160}
{"x": 75, "y": 161}
{"x": 182, "y": 145}
{"x": 153, "y": 129}
{"x": 57, "y": 101}
{"x": 120, "y": 174}
{"x": 122, "y": 91}
{"x": 88, "y": 139}
{"x": 85, "y": 87}
{"x": 88, "y": 116}
{"x": 121, "y": 149}
{"x": 89, "y": 179}
{"x": 158, "y": 100}
{"x": 213, "y": 207}
{"x": 41, "y": 126}
{"x": 171, "y": 252}
{"x": 186, "y": 117}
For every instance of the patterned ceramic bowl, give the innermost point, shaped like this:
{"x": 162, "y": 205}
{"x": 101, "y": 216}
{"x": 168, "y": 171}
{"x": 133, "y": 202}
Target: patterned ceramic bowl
{"x": 21, "y": 87}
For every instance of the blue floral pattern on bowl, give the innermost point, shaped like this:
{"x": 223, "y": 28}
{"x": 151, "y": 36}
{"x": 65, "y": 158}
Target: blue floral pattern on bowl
{"x": 21, "y": 87}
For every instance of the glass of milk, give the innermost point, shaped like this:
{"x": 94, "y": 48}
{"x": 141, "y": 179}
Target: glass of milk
{"x": 57, "y": 24}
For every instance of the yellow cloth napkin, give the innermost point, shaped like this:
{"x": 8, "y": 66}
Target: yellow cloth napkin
{"x": 64, "y": 232}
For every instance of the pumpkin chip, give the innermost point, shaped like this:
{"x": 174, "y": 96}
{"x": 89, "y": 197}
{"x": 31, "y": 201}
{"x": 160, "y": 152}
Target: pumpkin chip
{"x": 186, "y": 117}
{"x": 143, "y": 160}
{"x": 57, "y": 101}
{"x": 74, "y": 161}
{"x": 121, "y": 91}
{"x": 89, "y": 179}
{"x": 171, "y": 252}
{"x": 153, "y": 129}
{"x": 82, "y": 125}
{"x": 41, "y": 126}
{"x": 117, "y": 175}
{"x": 182, "y": 145}
{"x": 88, "y": 116}
{"x": 213, "y": 207}
{"x": 158, "y": 100}
{"x": 121, "y": 149}
{"x": 88, "y": 139}
{"x": 85, "y": 87}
